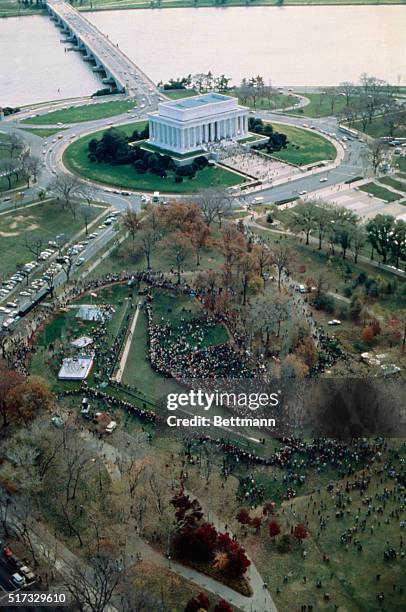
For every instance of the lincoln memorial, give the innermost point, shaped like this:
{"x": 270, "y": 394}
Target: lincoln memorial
{"x": 189, "y": 125}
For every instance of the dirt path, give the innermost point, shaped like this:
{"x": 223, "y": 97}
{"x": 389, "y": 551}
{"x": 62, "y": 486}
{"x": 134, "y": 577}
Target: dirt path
{"x": 121, "y": 366}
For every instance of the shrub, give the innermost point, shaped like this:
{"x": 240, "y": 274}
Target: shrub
{"x": 285, "y": 543}
{"x": 274, "y": 529}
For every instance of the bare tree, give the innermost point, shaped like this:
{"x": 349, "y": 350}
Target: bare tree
{"x": 13, "y": 144}
{"x": 93, "y": 590}
{"x": 214, "y": 203}
{"x": 348, "y": 89}
{"x": 178, "y": 247}
{"x": 8, "y": 168}
{"x": 30, "y": 168}
{"x": 281, "y": 258}
{"x": 33, "y": 245}
{"x": 67, "y": 188}
{"x": 50, "y": 280}
{"x": 376, "y": 154}
{"x": 67, "y": 264}
{"x": 131, "y": 222}
{"x": 148, "y": 239}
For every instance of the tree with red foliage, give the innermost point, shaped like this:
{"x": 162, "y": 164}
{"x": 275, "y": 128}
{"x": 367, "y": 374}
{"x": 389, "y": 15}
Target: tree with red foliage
{"x": 223, "y": 606}
{"x": 238, "y": 562}
{"x": 368, "y": 334}
{"x": 9, "y": 379}
{"x": 300, "y": 532}
{"x": 274, "y": 529}
{"x": 243, "y": 516}
{"x": 201, "y": 602}
{"x": 202, "y": 542}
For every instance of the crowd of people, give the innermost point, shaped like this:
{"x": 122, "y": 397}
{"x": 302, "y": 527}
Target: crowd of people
{"x": 143, "y": 413}
{"x": 259, "y": 166}
{"x": 181, "y": 353}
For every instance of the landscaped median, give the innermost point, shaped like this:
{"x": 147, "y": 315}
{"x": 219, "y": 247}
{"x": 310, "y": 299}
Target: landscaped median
{"x": 82, "y": 112}
{"x": 380, "y": 192}
{"x": 76, "y": 159}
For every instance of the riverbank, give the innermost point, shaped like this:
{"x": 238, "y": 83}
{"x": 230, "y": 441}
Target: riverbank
{"x": 11, "y": 8}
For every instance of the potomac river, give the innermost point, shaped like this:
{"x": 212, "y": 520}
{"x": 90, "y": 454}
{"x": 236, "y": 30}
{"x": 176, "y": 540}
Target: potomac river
{"x": 296, "y": 46}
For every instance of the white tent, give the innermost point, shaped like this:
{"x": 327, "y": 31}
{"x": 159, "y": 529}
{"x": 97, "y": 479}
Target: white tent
{"x": 82, "y": 342}
{"x": 75, "y": 369}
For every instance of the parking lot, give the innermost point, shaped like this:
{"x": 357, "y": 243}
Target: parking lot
{"x": 364, "y": 205}
{"x": 34, "y": 280}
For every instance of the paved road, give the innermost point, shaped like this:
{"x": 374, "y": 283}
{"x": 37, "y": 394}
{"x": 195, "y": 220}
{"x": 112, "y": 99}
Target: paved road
{"x": 351, "y": 165}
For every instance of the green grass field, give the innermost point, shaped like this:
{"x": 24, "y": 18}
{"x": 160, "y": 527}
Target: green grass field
{"x": 85, "y": 112}
{"x": 5, "y": 154}
{"x": 401, "y": 162}
{"x": 178, "y": 94}
{"x": 304, "y": 147}
{"x": 169, "y": 308}
{"x": 43, "y": 132}
{"x": 348, "y": 576}
{"x": 321, "y": 105}
{"x": 277, "y": 101}
{"x": 392, "y": 182}
{"x": 378, "y": 127}
{"x": 76, "y": 159}
{"x": 380, "y": 192}
{"x": 39, "y": 222}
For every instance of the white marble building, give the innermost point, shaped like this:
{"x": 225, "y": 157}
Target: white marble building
{"x": 189, "y": 125}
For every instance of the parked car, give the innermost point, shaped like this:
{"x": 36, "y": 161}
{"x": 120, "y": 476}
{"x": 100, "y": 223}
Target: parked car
{"x": 27, "y": 573}
{"x": 18, "y": 580}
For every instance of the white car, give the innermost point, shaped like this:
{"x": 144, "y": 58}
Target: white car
{"x": 17, "y": 579}
{"x": 334, "y": 322}
{"x": 302, "y": 192}
{"x": 323, "y": 180}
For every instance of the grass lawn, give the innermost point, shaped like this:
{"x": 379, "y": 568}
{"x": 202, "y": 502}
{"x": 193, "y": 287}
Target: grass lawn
{"x": 43, "y": 132}
{"x": 9, "y": 8}
{"x": 392, "y": 182}
{"x": 304, "y": 147}
{"x": 349, "y": 576}
{"x": 380, "y": 192}
{"x": 5, "y": 154}
{"x": 138, "y": 373}
{"x": 76, "y": 159}
{"x": 168, "y": 308}
{"x": 378, "y": 128}
{"x": 127, "y": 257}
{"x": 277, "y": 101}
{"x": 177, "y": 94}
{"x": 85, "y": 112}
{"x": 337, "y": 272}
{"x": 39, "y": 222}
{"x": 401, "y": 162}
{"x": 4, "y": 186}
{"x": 321, "y": 105}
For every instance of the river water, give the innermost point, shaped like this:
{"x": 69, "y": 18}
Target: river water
{"x": 288, "y": 46}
